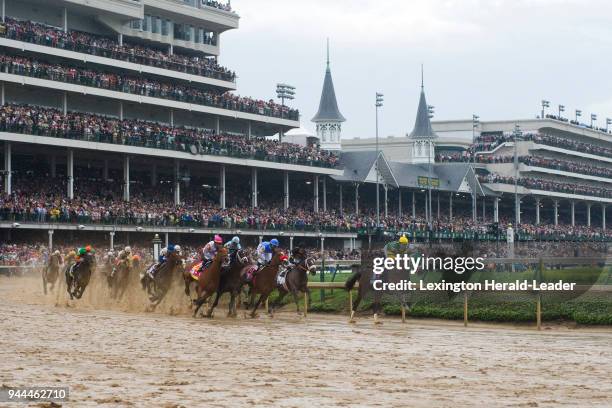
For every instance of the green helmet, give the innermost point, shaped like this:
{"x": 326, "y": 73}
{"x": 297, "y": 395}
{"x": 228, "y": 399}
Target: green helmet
{"x": 82, "y": 251}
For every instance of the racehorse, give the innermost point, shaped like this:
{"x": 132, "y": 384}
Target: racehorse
{"x": 230, "y": 281}
{"x": 158, "y": 287}
{"x": 51, "y": 271}
{"x": 364, "y": 275}
{"x": 78, "y": 275}
{"x": 209, "y": 279}
{"x": 264, "y": 281}
{"x": 296, "y": 279}
{"x": 119, "y": 278}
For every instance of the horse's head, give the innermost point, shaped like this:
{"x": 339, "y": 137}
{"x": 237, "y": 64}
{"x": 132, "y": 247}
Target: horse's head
{"x": 299, "y": 252}
{"x": 277, "y": 254}
{"x": 311, "y": 266}
{"x": 222, "y": 256}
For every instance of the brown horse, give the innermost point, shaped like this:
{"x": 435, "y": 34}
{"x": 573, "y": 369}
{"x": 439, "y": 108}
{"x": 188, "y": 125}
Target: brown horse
{"x": 264, "y": 281}
{"x": 296, "y": 279}
{"x": 230, "y": 281}
{"x": 158, "y": 286}
{"x": 51, "y": 271}
{"x": 209, "y": 279}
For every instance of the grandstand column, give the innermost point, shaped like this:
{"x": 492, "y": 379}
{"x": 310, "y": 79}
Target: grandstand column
{"x": 291, "y": 243}
{"x": 65, "y": 103}
{"x": 324, "y": 194}
{"x": 170, "y": 49}
{"x": 112, "y": 239}
{"x": 120, "y": 110}
{"x": 120, "y": 38}
{"x": 248, "y": 129}
{"x": 413, "y": 205}
{"x": 484, "y": 209}
{"x": 153, "y": 175}
{"x": 340, "y": 193}
{"x": 70, "y": 173}
{"x": 65, "y": 20}
{"x": 399, "y": 201}
{"x": 167, "y": 239}
{"x": 222, "y": 187}
{"x": 171, "y": 117}
{"x": 450, "y": 206}
{"x": 254, "y": 187}
{"x": 603, "y": 216}
{"x": 438, "y": 217}
{"x": 573, "y": 208}
{"x": 537, "y": 211}
{"x": 3, "y": 11}
{"x": 316, "y": 194}
{"x": 286, "y": 189}
{"x": 7, "y": 168}
{"x": 105, "y": 170}
{"x": 426, "y": 207}
{"x": 556, "y": 208}
{"x": 517, "y": 209}
{"x": 356, "y": 198}
{"x": 496, "y": 209}
{"x": 474, "y": 215}
{"x": 217, "y": 125}
{"x": 2, "y": 95}
{"x": 53, "y": 166}
{"x": 260, "y": 238}
{"x": 177, "y": 182}
{"x": 50, "y": 232}
{"x": 589, "y": 214}
{"x": 126, "y": 178}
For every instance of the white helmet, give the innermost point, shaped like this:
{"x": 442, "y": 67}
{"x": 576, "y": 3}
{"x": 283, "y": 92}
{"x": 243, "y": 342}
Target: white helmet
{"x": 128, "y": 249}
{"x": 177, "y": 249}
{"x": 57, "y": 252}
{"x": 164, "y": 251}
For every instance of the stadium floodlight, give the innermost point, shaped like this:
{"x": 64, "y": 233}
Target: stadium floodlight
{"x": 16, "y": 225}
{"x": 578, "y": 114}
{"x": 545, "y": 104}
{"x": 431, "y": 111}
{"x": 81, "y": 227}
{"x": 561, "y": 110}
{"x": 593, "y": 119}
{"x": 378, "y": 105}
{"x": 608, "y": 123}
{"x": 518, "y": 134}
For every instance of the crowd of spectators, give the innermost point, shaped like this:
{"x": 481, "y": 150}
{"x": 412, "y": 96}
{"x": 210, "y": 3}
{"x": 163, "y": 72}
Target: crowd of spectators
{"x": 577, "y": 123}
{"x": 217, "y": 4}
{"x": 36, "y": 200}
{"x": 141, "y": 86}
{"x": 549, "y": 185}
{"x": 42, "y": 34}
{"x": 44, "y": 121}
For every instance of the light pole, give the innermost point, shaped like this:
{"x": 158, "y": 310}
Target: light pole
{"x": 561, "y": 110}
{"x": 379, "y": 104}
{"x": 593, "y": 119}
{"x": 545, "y": 104}
{"x": 430, "y": 111}
{"x": 608, "y": 123}
{"x": 578, "y": 114}
{"x": 517, "y": 135}
{"x": 475, "y": 123}
{"x": 284, "y": 91}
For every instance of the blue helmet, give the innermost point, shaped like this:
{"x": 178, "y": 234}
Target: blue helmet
{"x": 274, "y": 242}
{"x": 267, "y": 247}
{"x": 171, "y": 248}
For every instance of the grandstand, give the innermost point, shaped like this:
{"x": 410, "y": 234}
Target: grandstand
{"x": 118, "y": 118}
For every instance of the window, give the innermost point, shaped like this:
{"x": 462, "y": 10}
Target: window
{"x": 146, "y": 23}
{"x": 165, "y": 27}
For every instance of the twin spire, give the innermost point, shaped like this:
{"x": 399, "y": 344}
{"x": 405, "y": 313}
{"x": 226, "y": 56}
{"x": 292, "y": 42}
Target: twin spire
{"x": 422, "y": 125}
{"x": 328, "y": 106}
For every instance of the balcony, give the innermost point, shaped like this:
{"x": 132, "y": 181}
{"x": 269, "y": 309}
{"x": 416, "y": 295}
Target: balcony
{"x": 192, "y": 10}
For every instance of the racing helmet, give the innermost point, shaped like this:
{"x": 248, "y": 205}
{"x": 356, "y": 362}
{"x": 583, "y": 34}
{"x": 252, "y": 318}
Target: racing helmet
{"x": 236, "y": 240}
{"x": 274, "y": 242}
{"x": 403, "y": 240}
{"x": 218, "y": 239}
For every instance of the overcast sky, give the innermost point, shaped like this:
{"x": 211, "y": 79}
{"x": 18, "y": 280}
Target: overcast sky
{"x": 495, "y": 58}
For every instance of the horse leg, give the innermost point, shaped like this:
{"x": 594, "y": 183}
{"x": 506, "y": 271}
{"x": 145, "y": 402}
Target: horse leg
{"x": 294, "y": 293}
{"x": 277, "y": 302}
{"x": 376, "y": 307}
{"x": 356, "y": 303}
{"x": 44, "y": 277}
{"x": 232, "y": 305}
{"x": 261, "y": 298}
{"x": 215, "y": 303}
{"x": 198, "y": 303}
{"x": 187, "y": 284}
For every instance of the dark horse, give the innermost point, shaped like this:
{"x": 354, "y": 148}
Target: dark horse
{"x": 119, "y": 278}
{"x": 158, "y": 287}
{"x": 51, "y": 271}
{"x": 296, "y": 279}
{"x": 264, "y": 280}
{"x": 230, "y": 280}
{"x": 209, "y": 279}
{"x": 364, "y": 275}
{"x": 78, "y": 275}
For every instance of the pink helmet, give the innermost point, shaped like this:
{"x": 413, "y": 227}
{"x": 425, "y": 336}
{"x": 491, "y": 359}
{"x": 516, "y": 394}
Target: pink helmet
{"x": 218, "y": 239}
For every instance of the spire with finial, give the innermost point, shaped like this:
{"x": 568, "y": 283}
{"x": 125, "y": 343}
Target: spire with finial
{"x": 422, "y": 79}
{"x": 422, "y": 125}
{"x": 328, "y": 53}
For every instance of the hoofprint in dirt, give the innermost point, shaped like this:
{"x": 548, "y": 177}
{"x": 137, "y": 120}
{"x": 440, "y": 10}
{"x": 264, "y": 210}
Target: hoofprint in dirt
{"x": 114, "y": 358}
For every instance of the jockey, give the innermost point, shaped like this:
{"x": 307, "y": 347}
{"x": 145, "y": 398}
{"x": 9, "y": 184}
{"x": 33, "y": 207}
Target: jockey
{"x": 125, "y": 255}
{"x": 264, "y": 252}
{"x": 399, "y": 247}
{"x": 233, "y": 247}
{"x": 210, "y": 250}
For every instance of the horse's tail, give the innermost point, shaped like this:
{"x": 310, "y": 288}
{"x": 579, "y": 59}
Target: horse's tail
{"x": 350, "y": 282}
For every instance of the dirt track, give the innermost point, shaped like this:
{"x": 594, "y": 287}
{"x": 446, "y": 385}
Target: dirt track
{"x": 120, "y": 358}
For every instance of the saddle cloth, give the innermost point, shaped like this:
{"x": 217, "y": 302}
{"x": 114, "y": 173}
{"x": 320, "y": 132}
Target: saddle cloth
{"x": 250, "y": 273}
{"x": 196, "y": 271}
{"x": 281, "y": 279}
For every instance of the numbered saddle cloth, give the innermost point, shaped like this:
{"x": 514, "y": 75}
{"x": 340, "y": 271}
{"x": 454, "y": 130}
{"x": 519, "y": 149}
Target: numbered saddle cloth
{"x": 196, "y": 270}
{"x": 281, "y": 279}
{"x": 250, "y": 273}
